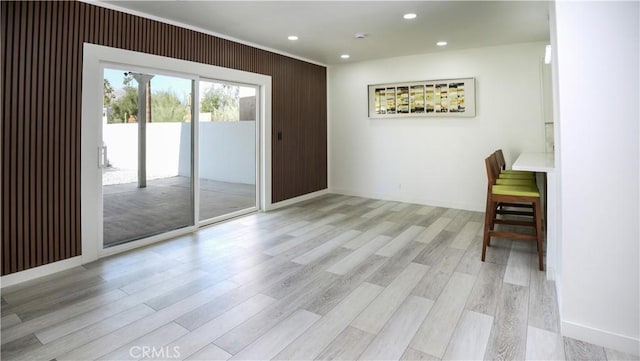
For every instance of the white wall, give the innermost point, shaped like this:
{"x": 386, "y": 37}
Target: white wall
{"x": 165, "y": 144}
{"x": 227, "y": 150}
{"x": 436, "y": 161}
{"x": 598, "y": 90}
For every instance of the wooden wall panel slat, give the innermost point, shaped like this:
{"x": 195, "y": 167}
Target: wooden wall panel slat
{"x": 72, "y": 69}
{"x": 100, "y": 25}
{"x": 38, "y": 71}
{"x": 110, "y": 28}
{"x": 91, "y": 24}
{"x": 75, "y": 133}
{"x": 46, "y": 134}
{"x": 56, "y": 121}
{"x": 19, "y": 112}
{"x": 64, "y": 146}
{"x": 8, "y": 127}
{"x": 7, "y": 70}
{"x": 83, "y": 19}
{"x": 41, "y": 115}
{"x": 62, "y": 122}
{"x": 29, "y": 143}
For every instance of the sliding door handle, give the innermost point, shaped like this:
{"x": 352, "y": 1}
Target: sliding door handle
{"x": 102, "y": 156}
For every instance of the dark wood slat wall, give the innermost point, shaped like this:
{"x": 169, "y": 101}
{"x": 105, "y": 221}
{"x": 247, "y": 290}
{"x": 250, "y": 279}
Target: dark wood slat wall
{"x": 41, "y": 115}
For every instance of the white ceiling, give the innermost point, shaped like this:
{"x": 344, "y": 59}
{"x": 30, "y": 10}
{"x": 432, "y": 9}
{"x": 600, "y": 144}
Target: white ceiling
{"x": 326, "y": 29}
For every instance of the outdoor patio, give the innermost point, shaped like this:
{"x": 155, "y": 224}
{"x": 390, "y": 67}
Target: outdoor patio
{"x": 165, "y": 204}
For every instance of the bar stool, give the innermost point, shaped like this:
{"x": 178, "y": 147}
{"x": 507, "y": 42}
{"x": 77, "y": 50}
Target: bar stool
{"x": 500, "y": 194}
{"x": 511, "y": 181}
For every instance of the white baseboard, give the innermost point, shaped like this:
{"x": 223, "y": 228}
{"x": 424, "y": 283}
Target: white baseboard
{"x": 295, "y": 200}
{"x": 603, "y": 338}
{"x": 551, "y": 273}
{"x": 37, "y": 272}
{"x": 429, "y": 202}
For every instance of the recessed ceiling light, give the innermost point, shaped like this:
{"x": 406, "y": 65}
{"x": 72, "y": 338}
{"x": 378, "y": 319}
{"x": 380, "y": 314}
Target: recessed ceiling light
{"x": 409, "y": 16}
{"x": 441, "y": 43}
{"x": 292, "y": 37}
{"x": 344, "y": 56}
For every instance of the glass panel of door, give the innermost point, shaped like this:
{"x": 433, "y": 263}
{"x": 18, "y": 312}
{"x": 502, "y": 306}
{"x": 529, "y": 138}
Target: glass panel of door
{"x": 146, "y": 156}
{"x": 227, "y": 149}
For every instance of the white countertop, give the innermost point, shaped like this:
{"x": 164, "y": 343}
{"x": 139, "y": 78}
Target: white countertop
{"x": 535, "y": 162}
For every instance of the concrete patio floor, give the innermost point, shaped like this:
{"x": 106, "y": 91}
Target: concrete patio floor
{"x": 165, "y": 204}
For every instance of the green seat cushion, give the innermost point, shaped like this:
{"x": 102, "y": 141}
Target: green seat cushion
{"x": 511, "y": 171}
{"x": 516, "y": 176}
{"x": 510, "y": 190}
{"x": 516, "y": 182}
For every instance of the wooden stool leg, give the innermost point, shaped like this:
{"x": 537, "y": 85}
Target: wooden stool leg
{"x": 488, "y": 221}
{"x": 493, "y": 210}
{"x": 484, "y": 241}
{"x": 539, "y": 235}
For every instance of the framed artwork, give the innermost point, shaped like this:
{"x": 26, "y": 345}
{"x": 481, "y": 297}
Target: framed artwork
{"x": 430, "y": 98}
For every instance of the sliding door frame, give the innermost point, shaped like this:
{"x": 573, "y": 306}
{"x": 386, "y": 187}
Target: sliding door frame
{"x": 95, "y": 58}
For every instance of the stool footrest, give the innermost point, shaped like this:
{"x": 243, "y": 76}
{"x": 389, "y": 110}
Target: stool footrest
{"x": 518, "y": 205}
{"x": 511, "y": 235}
{"x": 514, "y": 222}
{"x": 515, "y": 213}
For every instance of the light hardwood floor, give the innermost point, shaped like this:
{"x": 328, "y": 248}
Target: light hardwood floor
{"x": 336, "y": 277}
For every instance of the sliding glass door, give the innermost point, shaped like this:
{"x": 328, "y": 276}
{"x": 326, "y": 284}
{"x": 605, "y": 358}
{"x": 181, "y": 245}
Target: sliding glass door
{"x": 158, "y": 164}
{"x": 148, "y": 151}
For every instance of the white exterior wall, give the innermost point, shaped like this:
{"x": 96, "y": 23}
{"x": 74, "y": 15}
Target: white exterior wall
{"x": 227, "y": 149}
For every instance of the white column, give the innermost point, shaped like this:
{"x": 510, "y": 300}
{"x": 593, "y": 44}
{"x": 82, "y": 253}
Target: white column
{"x": 143, "y": 81}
